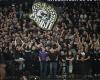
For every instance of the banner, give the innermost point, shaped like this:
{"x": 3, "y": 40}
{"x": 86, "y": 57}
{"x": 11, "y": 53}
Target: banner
{"x": 44, "y": 15}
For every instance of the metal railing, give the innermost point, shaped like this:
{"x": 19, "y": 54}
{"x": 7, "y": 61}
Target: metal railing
{"x": 34, "y": 70}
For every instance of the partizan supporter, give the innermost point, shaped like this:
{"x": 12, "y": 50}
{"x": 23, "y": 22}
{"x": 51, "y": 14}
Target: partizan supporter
{"x": 76, "y": 28}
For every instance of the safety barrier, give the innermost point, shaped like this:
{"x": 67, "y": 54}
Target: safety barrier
{"x": 64, "y": 70}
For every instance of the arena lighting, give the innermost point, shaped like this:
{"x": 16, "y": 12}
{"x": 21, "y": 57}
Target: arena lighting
{"x": 43, "y": 15}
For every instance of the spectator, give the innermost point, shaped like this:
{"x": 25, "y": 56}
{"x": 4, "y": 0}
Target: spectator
{"x": 77, "y": 28}
{"x": 43, "y": 58}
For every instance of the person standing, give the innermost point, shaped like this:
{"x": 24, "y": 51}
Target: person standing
{"x": 83, "y": 58}
{"x": 53, "y": 54}
{"x": 93, "y": 60}
{"x": 2, "y": 65}
{"x": 28, "y": 59}
{"x": 43, "y": 58}
{"x": 69, "y": 59}
{"x": 97, "y": 52}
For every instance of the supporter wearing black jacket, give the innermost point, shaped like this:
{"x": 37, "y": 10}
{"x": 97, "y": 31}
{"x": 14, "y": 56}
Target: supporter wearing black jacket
{"x": 92, "y": 61}
{"x": 97, "y": 51}
{"x": 83, "y": 58}
{"x": 28, "y": 56}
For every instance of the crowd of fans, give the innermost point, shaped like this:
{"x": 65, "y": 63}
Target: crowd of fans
{"x": 75, "y": 36}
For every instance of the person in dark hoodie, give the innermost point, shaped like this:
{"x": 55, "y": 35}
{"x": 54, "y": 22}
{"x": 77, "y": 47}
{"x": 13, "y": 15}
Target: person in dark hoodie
{"x": 28, "y": 59}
